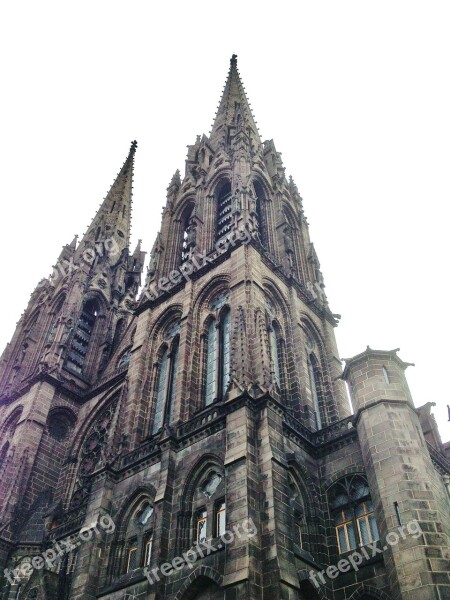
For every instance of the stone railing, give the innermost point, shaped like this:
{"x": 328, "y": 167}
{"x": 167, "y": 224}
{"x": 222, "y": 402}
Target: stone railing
{"x": 323, "y": 436}
{"x": 140, "y": 453}
{"x": 71, "y": 522}
{"x": 299, "y": 428}
{"x": 440, "y": 461}
{"x": 203, "y": 419}
{"x": 334, "y": 431}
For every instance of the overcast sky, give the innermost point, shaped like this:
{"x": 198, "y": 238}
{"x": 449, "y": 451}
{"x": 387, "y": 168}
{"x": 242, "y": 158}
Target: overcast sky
{"x": 356, "y": 96}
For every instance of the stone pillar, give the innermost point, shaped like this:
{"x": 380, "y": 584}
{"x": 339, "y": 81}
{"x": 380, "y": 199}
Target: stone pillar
{"x": 85, "y": 577}
{"x": 242, "y": 576}
{"x": 405, "y": 485}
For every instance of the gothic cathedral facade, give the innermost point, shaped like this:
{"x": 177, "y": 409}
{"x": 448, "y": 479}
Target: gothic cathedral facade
{"x": 190, "y": 436}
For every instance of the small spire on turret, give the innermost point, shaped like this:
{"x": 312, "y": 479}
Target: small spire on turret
{"x": 73, "y": 243}
{"x": 175, "y": 182}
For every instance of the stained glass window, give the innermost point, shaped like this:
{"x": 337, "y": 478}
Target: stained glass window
{"x": 172, "y": 379}
{"x": 225, "y": 351}
{"x": 161, "y": 392}
{"x": 211, "y": 366}
{"x": 314, "y": 391}
{"x": 297, "y": 510}
{"x": 354, "y": 517}
{"x": 275, "y": 350}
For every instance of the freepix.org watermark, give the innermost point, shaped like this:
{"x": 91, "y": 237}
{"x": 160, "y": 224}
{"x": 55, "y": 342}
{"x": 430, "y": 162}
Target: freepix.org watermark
{"x": 196, "y": 260}
{"x": 246, "y": 529}
{"x": 64, "y": 267}
{"x": 52, "y": 555}
{"x": 354, "y": 560}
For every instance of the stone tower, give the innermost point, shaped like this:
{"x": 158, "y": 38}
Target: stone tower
{"x": 196, "y": 442}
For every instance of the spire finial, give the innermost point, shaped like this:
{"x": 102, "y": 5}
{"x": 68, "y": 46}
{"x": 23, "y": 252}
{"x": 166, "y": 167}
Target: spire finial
{"x": 234, "y": 108}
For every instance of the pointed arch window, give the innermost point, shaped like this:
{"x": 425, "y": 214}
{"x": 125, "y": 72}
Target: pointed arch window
{"x": 297, "y": 511}
{"x": 217, "y": 357}
{"x": 79, "y": 346}
{"x": 138, "y": 538}
{"x": 224, "y": 351}
{"x": 276, "y": 352}
{"x": 313, "y": 373}
{"x": 54, "y": 322}
{"x": 353, "y": 513}
{"x": 3, "y": 454}
{"x": 188, "y": 234}
{"x": 7, "y": 434}
{"x": 165, "y": 386}
{"x": 211, "y": 363}
{"x": 259, "y": 210}
{"x": 209, "y": 508}
{"x": 224, "y": 216}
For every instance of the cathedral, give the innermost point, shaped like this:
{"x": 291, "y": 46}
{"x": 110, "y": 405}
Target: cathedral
{"x": 189, "y": 436}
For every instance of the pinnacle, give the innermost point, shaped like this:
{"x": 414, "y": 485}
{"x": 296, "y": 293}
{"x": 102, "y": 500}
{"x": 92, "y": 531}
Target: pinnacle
{"x": 176, "y": 179}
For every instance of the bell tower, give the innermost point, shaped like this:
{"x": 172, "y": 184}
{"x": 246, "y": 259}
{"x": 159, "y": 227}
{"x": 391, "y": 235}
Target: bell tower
{"x": 235, "y": 217}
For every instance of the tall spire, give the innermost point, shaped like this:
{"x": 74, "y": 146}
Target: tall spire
{"x": 234, "y": 109}
{"x": 113, "y": 218}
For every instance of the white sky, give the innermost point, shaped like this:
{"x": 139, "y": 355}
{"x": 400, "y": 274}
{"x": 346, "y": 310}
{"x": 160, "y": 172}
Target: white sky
{"x": 356, "y": 96}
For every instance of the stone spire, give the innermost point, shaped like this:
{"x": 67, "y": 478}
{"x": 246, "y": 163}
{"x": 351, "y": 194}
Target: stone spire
{"x": 234, "y": 110}
{"x": 113, "y": 218}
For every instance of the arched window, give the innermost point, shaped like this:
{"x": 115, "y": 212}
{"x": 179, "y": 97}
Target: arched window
{"x": 209, "y": 508}
{"x": 165, "y": 386}
{"x": 7, "y": 433}
{"x": 296, "y": 505}
{"x": 79, "y": 346}
{"x": 353, "y": 514}
{"x": 188, "y": 234}
{"x": 138, "y": 538}
{"x": 51, "y": 333}
{"x": 3, "y": 454}
{"x": 211, "y": 363}
{"x": 259, "y": 210}
{"x": 224, "y": 217}
{"x": 217, "y": 357}
{"x": 94, "y": 443}
{"x": 276, "y": 352}
{"x": 314, "y": 381}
